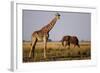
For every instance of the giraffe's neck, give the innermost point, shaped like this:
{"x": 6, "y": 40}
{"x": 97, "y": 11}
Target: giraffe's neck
{"x": 48, "y": 27}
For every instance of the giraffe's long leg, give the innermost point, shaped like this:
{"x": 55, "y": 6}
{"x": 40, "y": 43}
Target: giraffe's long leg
{"x": 32, "y": 47}
{"x": 45, "y": 46}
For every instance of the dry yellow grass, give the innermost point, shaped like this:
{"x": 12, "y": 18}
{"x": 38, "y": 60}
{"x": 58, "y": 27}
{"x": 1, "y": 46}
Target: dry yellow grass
{"x": 55, "y": 45}
{"x": 55, "y": 49}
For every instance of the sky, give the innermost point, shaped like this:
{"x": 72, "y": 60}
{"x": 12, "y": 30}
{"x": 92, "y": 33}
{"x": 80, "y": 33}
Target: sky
{"x": 70, "y": 23}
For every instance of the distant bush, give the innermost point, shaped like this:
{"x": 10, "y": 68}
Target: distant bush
{"x": 49, "y": 40}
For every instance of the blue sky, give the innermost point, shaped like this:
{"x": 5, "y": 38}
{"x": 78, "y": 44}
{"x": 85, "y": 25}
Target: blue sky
{"x": 70, "y": 23}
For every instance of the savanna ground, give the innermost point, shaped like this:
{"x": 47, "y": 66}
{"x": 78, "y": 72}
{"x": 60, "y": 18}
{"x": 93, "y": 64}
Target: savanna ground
{"x": 56, "y": 52}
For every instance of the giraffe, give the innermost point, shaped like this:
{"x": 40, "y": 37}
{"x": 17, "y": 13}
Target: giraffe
{"x": 42, "y": 35}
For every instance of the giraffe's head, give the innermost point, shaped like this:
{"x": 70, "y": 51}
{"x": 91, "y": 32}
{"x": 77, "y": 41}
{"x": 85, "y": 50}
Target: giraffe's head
{"x": 57, "y": 15}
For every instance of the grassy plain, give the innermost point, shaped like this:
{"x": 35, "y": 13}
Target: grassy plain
{"x": 56, "y": 52}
